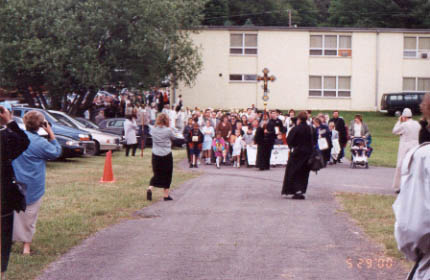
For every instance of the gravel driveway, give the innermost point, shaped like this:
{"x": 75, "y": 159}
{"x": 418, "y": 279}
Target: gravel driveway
{"x": 234, "y": 224}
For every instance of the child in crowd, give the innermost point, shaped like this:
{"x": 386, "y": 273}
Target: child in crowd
{"x": 335, "y": 150}
{"x": 279, "y": 140}
{"x": 237, "y": 148}
{"x": 195, "y": 141}
{"x": 218, "y": 146}
{"x": 186, "y": 132}
{"x": 208, "y": 132}
{"x": 248, "y": 138}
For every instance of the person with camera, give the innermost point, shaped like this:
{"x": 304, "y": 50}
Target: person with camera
{"x": 162, "y": 159}
{"x": 408, "y": 129}
{"x": 30, "y": 169}
{"x": 14, "y": 142}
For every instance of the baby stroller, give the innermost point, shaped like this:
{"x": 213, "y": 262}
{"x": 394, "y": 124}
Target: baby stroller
{"x": 359, "y": 152}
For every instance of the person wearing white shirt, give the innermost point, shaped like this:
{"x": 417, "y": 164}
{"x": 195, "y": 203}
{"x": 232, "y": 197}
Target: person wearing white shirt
{"x": 172, "y": 116}
{"x": 409, "y": 130}
{"x": 412, "y": 211}
{"x": 153, "y": 114}
{"x": 130, "y": 129}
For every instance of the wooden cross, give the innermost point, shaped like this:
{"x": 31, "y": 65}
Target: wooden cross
{"x": 265, "y": 78}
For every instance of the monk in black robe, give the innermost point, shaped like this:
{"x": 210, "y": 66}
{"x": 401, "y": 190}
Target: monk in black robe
{"x": 301, "y": 141}
{"x": 265, "y": 139}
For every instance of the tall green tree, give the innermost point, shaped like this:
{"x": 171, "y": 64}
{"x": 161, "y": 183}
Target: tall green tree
{"x": 67, "y": 45}
{"x": 268, "y": 12}
{"x": 216, "y": 12}
{"x": 380, "y": 13}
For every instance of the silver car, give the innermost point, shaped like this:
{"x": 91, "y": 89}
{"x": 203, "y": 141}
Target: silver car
{"x": 104, "y": 141}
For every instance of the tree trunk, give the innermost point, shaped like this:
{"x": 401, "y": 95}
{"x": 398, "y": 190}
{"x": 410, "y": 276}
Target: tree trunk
{"x": 74, "y": 110}
{"x": 91, "y": 94}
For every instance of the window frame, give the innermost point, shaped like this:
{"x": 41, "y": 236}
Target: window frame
{"x": 243, "y": 47}
{"x": 243, "y": 80}
{"x": 337, "y": 89}
{"x": 417, "y": 49}
{"x": 337, "y": 49}
{"x": 416, "y": 84}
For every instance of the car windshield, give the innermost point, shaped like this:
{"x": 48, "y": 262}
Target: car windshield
{"x": 64, "y": 120}
{"x": 87, "y": 123}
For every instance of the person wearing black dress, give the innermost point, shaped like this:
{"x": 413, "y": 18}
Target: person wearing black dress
{"x": 339, "y": 125}
{"x": 265, "y": 139}
{"x": 424, "y": 135}
{"x": 14, "y": 142}
{"x": 301, "y": 141}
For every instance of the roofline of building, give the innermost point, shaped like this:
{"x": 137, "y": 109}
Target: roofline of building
{"x": 315, "y": 29}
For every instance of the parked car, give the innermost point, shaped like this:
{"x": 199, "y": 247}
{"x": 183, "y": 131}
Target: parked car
{"x": 394, "y": 103}
{"x": 103, "y": 141}
{"x": 59, "y": 129}
{"x": 69, "y": 147}
{"x": 116, "y": 125}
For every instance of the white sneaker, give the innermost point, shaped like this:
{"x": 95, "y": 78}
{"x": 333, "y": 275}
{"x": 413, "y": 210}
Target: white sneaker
{"x": 217, "y": 163}
{"x": 234, "y": 165}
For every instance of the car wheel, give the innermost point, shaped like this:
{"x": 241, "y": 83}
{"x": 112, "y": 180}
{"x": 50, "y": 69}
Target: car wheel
{"x": 97, "y": 148}
{"x": 92, "y": 150}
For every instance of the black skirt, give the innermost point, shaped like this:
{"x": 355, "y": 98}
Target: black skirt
{"x": 162, "y": 166}
{"x": 296, "y": 176}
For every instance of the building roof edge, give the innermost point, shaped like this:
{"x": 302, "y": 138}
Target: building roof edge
{"x": 313, "y": 29}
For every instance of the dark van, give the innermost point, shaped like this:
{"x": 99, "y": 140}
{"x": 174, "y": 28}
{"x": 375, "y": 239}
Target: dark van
{"x": 396, "y": 102}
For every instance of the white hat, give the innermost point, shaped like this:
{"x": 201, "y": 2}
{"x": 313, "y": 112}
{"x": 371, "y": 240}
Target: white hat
{"x": 407, "y": 113}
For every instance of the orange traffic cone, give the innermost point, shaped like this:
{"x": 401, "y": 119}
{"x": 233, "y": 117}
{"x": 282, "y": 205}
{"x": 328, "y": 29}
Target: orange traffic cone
{"x": 108, "y": 173}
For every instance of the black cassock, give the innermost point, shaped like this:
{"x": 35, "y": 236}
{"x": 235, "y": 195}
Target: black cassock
{"x": 264, "y": 143}
{"x": 297, "y": 172}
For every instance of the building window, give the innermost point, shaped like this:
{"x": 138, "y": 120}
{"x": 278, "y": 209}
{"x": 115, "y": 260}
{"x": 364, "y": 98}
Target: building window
{"x": 243, "y": 78}
{"x": 330, "y": 45}
{"x": 416, "y": 84}
{"x": 243, "y": 44}
{"x": 329, "y": 86}
{"x": 416, "y": 47}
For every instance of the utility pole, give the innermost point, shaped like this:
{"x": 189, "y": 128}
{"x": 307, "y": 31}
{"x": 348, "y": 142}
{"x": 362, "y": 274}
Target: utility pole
{"x": 289, "y": 18}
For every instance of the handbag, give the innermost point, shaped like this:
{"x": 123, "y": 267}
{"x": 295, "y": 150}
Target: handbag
{"x": 18, "y": 192}
{"x": 315, "y": 161}
{"x": 322, "y": 143}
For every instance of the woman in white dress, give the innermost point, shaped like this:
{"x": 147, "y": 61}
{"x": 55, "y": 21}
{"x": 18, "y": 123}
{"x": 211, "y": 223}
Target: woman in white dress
{"x": 209, "y": 133}
{"x": 237, "y": 148}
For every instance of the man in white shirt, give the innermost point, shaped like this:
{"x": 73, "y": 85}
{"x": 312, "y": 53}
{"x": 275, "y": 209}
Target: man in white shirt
{"x": 412, "y": 211}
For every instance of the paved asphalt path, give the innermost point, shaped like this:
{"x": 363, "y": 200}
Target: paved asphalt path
{"x": 234, "y": 224}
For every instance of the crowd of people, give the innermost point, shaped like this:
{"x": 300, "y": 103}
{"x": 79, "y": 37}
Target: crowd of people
{"x": 107, "y": 105}
{"x": 214, "y": 137}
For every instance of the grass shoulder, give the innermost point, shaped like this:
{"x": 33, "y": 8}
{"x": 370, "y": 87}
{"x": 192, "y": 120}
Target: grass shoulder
{"x": 374, "y": 215}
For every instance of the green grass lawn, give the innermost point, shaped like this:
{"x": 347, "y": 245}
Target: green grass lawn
{"x": 76, "y": 205}
{"x": 374, "y": 214}
{"x": 384, "y": 143}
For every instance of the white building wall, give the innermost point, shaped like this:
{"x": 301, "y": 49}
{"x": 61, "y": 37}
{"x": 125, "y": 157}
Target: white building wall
{"x": 286, "y": 54}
